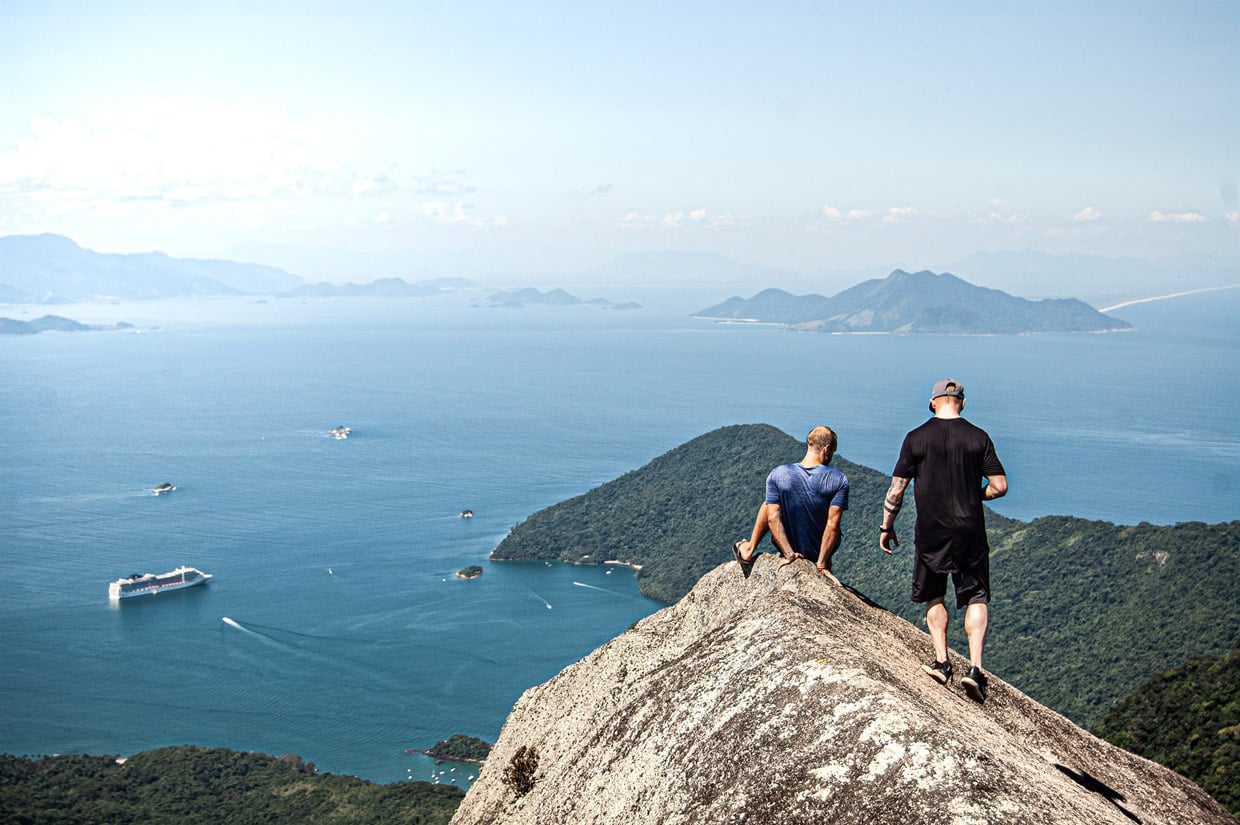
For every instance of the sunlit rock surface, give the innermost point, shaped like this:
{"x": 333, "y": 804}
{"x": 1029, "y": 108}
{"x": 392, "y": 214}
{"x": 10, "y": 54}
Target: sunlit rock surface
{"x": 781, "y": 698}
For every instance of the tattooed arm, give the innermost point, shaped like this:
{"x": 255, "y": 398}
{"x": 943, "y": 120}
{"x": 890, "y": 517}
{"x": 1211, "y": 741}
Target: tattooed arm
{"x": 891, "y": 508}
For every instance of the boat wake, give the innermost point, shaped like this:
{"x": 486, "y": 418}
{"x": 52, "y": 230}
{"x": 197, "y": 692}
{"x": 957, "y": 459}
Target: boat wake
{"x": 531, "y": 591}
{"x": 605, "y": 590}
{"x": 1169, "y": 295}
{"x": 257, "y": 627}
{"x": 262, "y": 637}
{"x": 346, "y": 666}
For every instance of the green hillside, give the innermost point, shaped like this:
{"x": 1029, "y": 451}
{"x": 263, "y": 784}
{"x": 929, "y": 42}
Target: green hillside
{"x": 212, "y": 786}
{"x": 1083, "y": 610}
{"x": 1189, "y": 720}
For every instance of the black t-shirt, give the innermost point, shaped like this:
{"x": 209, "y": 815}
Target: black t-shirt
{"x": 947, "y": 458}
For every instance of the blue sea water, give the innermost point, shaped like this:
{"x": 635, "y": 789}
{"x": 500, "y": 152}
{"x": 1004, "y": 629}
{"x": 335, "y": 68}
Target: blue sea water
{"x": 350, "y": 639}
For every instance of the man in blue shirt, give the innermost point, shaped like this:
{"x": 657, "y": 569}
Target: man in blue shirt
{"x": 804, "y": 505}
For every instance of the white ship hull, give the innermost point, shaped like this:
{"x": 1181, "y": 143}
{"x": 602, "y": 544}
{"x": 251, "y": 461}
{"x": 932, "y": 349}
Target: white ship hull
{"x": 149, "y": 584}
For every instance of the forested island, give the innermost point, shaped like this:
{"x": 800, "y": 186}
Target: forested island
{"x": 471, "y": 572}
{"x": 460, "y": 748}
{"x": 916, "y": 302}
{"x": 552, "y": 297}
{"x": 54, "y": 323}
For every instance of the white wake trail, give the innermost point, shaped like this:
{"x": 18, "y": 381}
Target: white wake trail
{"x": 1169, "y": 295}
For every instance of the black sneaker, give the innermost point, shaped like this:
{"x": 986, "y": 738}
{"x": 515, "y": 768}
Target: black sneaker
{"x": 940, "y": 672}
{"x": 974, "y": 684}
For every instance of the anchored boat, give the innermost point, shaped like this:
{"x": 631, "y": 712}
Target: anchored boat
{"x": 151, "y": 583}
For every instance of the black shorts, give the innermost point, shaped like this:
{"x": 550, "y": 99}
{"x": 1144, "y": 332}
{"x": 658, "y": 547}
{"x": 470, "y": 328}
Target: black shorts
{"x": 972, "y": 584}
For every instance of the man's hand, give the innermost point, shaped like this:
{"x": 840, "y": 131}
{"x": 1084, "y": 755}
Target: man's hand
{"x": 787, "y": 560}
{"x": 891, "y": 508}
{"x": 824, "y": 571}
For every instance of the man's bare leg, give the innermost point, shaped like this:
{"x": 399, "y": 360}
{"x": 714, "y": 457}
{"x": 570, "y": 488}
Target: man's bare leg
{"x": 936, "y": 623}
{"x": 976, "y": 619}
{"x": 761, "y": 527}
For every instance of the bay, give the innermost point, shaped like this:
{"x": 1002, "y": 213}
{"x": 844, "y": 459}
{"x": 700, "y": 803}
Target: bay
{"x": 351, "y": 639}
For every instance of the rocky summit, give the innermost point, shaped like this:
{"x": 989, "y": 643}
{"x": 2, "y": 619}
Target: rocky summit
{"x": 779, "y": 697}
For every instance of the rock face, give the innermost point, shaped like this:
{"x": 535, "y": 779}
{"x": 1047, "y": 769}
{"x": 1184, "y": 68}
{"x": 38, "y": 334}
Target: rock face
{"x": 781, "y": 698}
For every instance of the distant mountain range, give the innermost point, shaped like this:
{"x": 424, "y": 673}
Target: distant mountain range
{"x": 52, "y": 269}
{"x": 49, "y": 269}
{"x": 552, "y": 297}
{"x": 920, "y": 302}
{"x": 382, "y": 288}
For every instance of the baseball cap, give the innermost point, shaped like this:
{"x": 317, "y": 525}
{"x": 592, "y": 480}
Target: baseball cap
{"x": 947, "y": 386}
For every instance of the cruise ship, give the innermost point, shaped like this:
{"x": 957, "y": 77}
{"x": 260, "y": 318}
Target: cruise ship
{"x": 151, "y": 583}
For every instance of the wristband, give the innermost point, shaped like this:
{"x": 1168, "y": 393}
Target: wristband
{"x": 886, "y": 530}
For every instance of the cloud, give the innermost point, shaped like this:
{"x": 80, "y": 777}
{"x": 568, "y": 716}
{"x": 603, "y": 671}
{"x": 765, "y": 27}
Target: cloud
{"x": 601, "y": 189}
{"x": 1087, "y": 215}
{"x": 457, "y": 214}
{"x": 637, "y": 219}
{"x": 1177, "y": 217}
{"x": 451, "y": 184}
{"x": 834, "y": 213}
{"x": 681, "y": 219}
{"x": 999, "y": 217}
{"x": 899, "y": 214}
{"x": 1232, "y": 217}
{"x": 173, "y": 154}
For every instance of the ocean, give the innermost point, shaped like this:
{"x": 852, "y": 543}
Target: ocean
{"x": 349, "y": 638}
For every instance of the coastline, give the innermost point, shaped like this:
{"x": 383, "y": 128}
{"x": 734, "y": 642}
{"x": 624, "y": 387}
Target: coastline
{"x": 627, "y": 564}
{"x": 445, "y": 758}
{"x": 612, "y": 562}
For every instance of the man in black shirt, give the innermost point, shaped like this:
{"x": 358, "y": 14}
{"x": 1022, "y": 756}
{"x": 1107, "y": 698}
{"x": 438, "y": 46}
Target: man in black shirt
{"x": 956, "y": 469}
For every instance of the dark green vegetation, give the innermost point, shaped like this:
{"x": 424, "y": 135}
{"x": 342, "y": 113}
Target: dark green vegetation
{"x": 471, "y": 572}
{"x": 461, "y": 747}
{"x": 1189, "y": 720}
{"x": 522, "y": 770}
{"x": 917, "y": 302}
{"x": 186, "y": 785}
{"x": 1083, "y": 610}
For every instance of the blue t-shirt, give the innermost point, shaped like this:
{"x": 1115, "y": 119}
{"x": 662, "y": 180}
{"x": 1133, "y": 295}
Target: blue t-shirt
{"x": 805, "y": 496}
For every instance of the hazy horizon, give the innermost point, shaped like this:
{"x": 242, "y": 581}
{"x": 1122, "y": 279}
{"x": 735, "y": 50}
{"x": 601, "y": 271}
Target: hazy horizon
{"x": 353, "y": 142}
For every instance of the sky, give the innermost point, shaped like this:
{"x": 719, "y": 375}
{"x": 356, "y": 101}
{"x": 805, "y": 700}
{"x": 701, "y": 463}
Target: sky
{"x": 364, "y": 139}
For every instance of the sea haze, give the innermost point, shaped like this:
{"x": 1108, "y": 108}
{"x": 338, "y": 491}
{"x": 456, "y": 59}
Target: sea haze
{"x": 351, "y": 640}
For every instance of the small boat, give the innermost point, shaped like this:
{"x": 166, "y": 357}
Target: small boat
{"x": 467, "y": 514}
{"x": 144, "y": 584}
{"x": 340, "y": 433}
{"x": 164, "y": 488}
